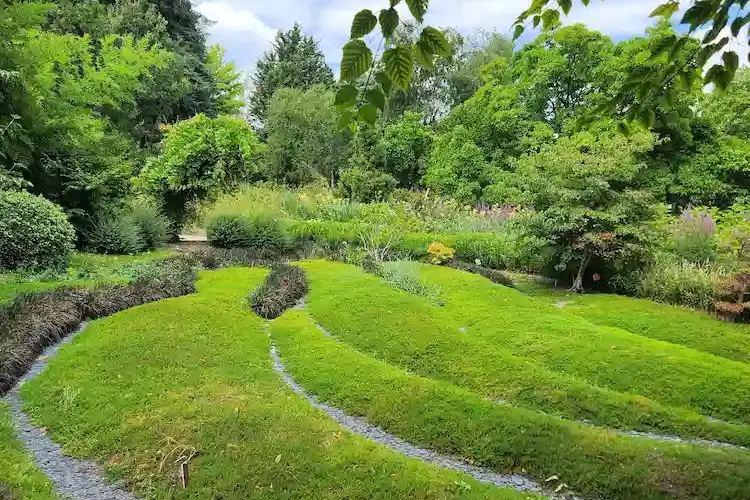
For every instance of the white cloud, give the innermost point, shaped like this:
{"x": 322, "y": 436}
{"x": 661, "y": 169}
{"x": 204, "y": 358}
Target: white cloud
{"x": 245, "y": 27}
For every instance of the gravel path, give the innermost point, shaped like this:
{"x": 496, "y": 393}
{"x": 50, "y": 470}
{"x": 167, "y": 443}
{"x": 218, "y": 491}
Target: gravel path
{"x": 363, "y": 428}
{"x": 73, "y": 478}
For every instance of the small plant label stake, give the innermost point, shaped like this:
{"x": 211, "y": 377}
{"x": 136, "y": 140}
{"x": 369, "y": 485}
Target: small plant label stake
{"x": 184, "y": 474}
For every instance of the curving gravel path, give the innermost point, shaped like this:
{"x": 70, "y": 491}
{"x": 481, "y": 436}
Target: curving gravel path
{"x": 363, "y": 428}
{"x": 73, "y": 478}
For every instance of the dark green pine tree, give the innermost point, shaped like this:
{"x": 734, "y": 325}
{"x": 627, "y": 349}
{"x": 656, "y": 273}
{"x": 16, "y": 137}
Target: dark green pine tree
{"x": 295, "y": 61}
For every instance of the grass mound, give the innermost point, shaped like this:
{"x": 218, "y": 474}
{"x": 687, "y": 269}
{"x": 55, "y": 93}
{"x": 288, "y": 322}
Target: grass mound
{"x": 594, "y": 462}
{"x": 459, "y": 344}
{"x": 217, "y": 396}
{"x": 36, "y": 320}
{"x": 283, "y": 287}
{"x": 677, "y": 325}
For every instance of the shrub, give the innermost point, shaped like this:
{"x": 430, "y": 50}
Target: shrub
{"x": 260, "y": 232}
{"x": 34, "y": 233}
{"x": 201, "y": 157}
{"x": 404, "y": 275}
{"x": 228, "y": 231}
{"x": 268, "y": 234}
{"x": 283, "y": 287}
{"x": 440, "y": 253}
{"x": 153, "y": 226}
{"x": 366, "y": 185}
{"x": 114, "y": 233}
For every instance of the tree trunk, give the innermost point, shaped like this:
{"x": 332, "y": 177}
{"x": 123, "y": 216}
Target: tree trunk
{"x": 578, "y": 283}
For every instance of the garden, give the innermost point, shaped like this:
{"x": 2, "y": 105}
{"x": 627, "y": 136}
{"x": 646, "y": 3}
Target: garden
{"x": 487, "y": 280}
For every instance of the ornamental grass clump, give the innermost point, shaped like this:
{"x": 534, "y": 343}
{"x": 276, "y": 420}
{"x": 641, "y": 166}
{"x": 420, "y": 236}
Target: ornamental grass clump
{"x": 283, "y": 288}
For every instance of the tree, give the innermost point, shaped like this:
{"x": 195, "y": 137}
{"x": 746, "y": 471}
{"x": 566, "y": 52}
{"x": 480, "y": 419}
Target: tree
{"x": 179, "y": 90}
{"x": 559, "y": 72}
{"x": 295, "y": 61}
{"x": 451, "y": 80}
{"x": 713, "y": 20}
{"x": 228, "y": 98}
{"x": 586, "y": 199}
{"x": 498, "y": 122}
{"x": 457, "y": 167}
{"x": 303, "y": 138}
{"x": 403, "y": 149}
{"x": 201, "y": 157}
{"x": 729, "y": 111}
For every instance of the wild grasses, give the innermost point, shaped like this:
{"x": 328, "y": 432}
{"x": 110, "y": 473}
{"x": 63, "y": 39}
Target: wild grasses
{"x": 194, "y": 373}
{"x": 463, "y": 343}
{"x": 593, "y": 462}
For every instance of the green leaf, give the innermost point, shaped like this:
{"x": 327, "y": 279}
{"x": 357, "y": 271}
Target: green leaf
{"x": 550, "y": 19}
{"x": 731, "y": 61}
{"x": 356, "y": 60}
{"x": 738, "y": 23}
{"x": 713, "y": 74}
{"x": 346, "y": 96}
{"x": 663, "y": 44}
{"x": 423, "y": 55}
{"x": 433, "y": 40}
{"x": 666, "y": 10}
{"x": 345, "y": 119}
{"x": 395, "y": 2}
{"x": 384, "y": 82}
{"x": 399, "y": 65}
{"x": 418, "y": 8}
{"x": 537, "y": 19}
{"x": 368, "y": 113}
{"x": 565, "y": 5}
{"x": 388, "y": 21}
{"x": 377, "y": 98}
{"x": 364, "y": 22}
{"x": 518, "y": 31}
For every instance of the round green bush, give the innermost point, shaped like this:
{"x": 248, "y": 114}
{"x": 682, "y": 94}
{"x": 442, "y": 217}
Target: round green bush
{"x": 261, "y": 232}
{"x": 35, "y": 233}
{"x": 228, "y": 231}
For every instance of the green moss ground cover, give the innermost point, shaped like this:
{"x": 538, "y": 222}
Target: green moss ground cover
{"x": 426, "y": 339}
{"x": 194, "y": 374}
{"x": 84, "y": 270}
{"x": 18, "y": 472}
{"x": 605, "y": 356}
{"x": 651, "y": 319}
{"x": 594, "y": 462}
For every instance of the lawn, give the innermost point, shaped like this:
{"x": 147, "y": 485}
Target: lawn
{"x": 474, "y": 342}
{"x": 193, "y": 374}
{"x": 482, "y": 372}
{"x": 17, "y": 470}
{"x": 594, "y": 462}
{"x": 84, "y": 270}
{"x": 673, "y": 324}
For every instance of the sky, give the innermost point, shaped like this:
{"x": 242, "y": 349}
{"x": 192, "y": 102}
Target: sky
{"x": 245, "y": 28}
